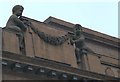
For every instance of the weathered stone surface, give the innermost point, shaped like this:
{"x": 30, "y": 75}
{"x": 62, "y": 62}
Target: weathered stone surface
{"x": 10, "y": 42}
{"x": 58, "y": 53}
{"x": 49, "y": 41}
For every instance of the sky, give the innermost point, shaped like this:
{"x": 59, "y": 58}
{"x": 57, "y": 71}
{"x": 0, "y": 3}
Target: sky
{"x": 98, "y": 15}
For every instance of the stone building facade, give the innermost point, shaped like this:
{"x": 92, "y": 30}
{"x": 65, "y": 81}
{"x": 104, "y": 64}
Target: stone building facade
{"x": 46, "y": 57}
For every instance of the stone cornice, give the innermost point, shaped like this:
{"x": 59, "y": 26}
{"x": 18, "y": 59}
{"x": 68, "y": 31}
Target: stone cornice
{"x": 71, "y": 25}
{"x": 54, "y": 66}
{"x": 94, "y": 34}
{"x": 110, "y": 64}
{"x": 104, "y": 38}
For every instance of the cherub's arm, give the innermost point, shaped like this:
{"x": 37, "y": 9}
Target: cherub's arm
{"x": 19, "y": 23}
{"x": 79, "y": 39}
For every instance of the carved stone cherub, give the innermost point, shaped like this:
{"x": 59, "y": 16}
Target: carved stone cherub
{"x": 16, "y": 25}
{"x": 14, "y": 22}
{"x": 79, "y": 40}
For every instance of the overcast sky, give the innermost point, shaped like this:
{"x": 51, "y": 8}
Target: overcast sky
{"x": 98, "y": 15}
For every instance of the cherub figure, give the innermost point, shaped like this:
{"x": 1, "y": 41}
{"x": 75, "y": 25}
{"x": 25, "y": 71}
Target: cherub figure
{"x": 16, "y": 25}
{"x": 14, "y": 22}
{"x": 79, "y": 40}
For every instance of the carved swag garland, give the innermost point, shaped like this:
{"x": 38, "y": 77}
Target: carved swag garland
{"x": 47, "y": 38}
{"x": 50, "y": 39}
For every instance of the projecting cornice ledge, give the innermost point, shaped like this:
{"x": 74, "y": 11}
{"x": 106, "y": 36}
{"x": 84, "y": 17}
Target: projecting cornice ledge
{"x": 48, "y": 64}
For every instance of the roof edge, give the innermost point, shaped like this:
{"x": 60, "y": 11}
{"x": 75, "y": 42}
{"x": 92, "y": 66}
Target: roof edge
{"x": 87, "y": 30}
{"x": 71, "y": 25}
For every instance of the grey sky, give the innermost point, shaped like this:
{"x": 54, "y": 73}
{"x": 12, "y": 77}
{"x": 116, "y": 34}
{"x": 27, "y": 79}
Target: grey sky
{"x": 101, "y": 16}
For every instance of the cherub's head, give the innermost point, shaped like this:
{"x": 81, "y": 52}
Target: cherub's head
{"x": 17, "y": 10}
{"x": 78, "y": 29}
